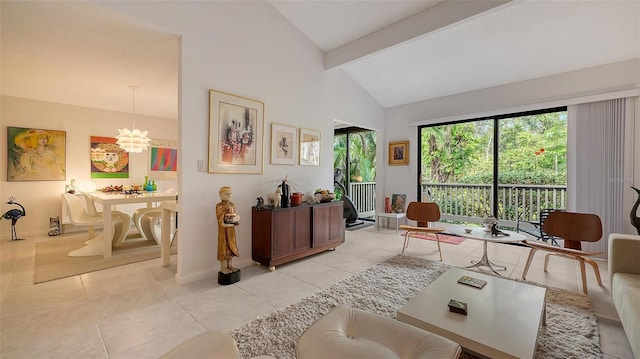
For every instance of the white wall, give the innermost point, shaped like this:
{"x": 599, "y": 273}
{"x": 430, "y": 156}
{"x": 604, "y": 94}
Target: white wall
{"x": 42, "y": 198}
{"x": 247, "y": 49}
{"x": 551, "y": 91}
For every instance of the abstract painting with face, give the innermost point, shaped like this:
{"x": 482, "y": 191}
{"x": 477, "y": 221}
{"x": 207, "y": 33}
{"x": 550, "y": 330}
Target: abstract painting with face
{"x": 108, "y": 160}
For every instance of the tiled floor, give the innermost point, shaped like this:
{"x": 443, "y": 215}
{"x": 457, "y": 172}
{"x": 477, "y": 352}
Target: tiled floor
{"x": 137, "y": 311}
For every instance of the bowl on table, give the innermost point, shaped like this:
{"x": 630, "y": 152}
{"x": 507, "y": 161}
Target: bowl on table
{"x": 328, "y": 197}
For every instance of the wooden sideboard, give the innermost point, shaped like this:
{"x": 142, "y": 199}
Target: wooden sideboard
{"x": 281, "y": 235}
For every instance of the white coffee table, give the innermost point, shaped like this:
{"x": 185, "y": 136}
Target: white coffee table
{"x": 502, "y": 319}
{"x": 397, "y": 217}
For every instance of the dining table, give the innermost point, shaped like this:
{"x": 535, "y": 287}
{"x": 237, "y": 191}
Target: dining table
{"x": 111, "y": 199}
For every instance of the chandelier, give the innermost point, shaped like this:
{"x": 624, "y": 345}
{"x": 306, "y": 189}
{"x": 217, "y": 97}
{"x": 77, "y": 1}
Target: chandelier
{"x": 133, "y": 140}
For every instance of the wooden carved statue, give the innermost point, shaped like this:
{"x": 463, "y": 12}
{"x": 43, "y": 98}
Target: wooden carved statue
{"x": 227, "y": 221}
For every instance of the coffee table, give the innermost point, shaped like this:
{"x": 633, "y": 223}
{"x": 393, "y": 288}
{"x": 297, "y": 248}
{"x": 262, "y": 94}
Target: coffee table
{"x": 481, "y": 235}
{"x": 502, "y": 320}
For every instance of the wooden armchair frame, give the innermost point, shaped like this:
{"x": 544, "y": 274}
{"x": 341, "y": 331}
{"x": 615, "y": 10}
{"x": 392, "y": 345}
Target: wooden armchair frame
{"x": 574, "y": 228}
{"x": 422, "y": 213}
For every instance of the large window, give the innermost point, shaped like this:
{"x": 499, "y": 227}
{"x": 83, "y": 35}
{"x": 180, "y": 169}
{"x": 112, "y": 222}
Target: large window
{"x": 510, "y": 166}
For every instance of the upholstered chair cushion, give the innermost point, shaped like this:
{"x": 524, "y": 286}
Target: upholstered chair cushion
{"x": 352, "y": 333}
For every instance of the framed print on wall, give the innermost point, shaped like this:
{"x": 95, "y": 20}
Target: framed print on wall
{"x": 309, "y": 147}
{"x": 163, "y": 159}
{"x": 236, "y": 126}
{"x": 108, "y": 160}
{"x": 36, "y": 155}
{"x": 284, "y": 140}
{"x": 398, "y": 153}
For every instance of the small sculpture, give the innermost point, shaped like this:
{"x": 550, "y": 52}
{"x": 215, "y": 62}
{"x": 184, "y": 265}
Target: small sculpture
{"x": 275, "y": 197}
{"x": 489, "y": 222}
{"x": 71, "y": 187}
{"x": 496, "y": 232}
{"x": 387, "y": 205}
{"x": 635, "y": 220}
{"x": 54, "y": 226}
{"x": 227, "y": 220}
{"x": 260, "y": 203}
{"x": 14, "y": 215}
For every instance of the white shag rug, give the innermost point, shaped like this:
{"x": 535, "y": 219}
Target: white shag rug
{"x": 571, "y": 330}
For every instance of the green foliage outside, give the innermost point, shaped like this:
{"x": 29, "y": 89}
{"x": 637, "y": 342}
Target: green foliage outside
{"x": 532, "y": 150}
{"x": 362, "y": 156}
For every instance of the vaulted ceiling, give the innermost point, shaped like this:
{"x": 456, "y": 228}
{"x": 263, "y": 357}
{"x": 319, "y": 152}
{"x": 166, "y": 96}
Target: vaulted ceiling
{"x": 398, "y": 51}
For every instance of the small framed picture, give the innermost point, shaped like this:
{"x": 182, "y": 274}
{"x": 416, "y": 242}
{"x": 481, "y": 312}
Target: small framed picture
{"x": 284, "y": 143}
{"x": 398, "y": 153}
{"x": 309, "y": 147}
{"x": 397, "y": 202}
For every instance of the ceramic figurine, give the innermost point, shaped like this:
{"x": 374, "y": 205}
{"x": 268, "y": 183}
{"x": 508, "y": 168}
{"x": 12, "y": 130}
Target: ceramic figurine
{"x": 496, "y": 232}
{"x": 260, "y": 203}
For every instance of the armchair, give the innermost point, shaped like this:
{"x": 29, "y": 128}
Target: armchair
{"x": 422, "y": 213}
{"x": 574, "y": 228}
{"x": 535, "y": 228}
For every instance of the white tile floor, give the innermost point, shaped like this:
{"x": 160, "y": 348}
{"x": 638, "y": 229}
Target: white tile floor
{"x": 137, "y": 311}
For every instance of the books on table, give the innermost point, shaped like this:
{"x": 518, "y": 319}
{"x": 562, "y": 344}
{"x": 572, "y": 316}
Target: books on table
{"x": 470, "y": 281}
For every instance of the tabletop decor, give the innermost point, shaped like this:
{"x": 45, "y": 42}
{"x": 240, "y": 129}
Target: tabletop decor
{"x": 399, "y": 153}
{"x": 236, "y": 126}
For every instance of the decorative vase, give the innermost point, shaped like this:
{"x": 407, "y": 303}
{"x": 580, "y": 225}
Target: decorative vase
{"x": 296, "y": 198}
{"x": 284, "y": 199}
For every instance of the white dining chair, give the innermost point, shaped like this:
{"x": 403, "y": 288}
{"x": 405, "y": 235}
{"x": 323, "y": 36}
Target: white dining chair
{"x": 79, "y": 216}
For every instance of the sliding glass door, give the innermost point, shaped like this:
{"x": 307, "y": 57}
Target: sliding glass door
{"x": 509, "y": 166}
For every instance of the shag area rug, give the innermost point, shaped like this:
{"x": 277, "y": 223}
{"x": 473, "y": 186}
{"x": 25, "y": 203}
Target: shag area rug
{"x": 571, "y": 330}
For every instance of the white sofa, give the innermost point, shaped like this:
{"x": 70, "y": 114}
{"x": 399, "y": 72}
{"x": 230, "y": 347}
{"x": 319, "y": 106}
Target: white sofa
{"x": 624, "y": 275}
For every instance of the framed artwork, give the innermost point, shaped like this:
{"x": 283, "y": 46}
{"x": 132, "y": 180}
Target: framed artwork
{"x": 399, "y": 153}
{"x": 108, "y": 160}
{"x": 163, "y": 159}
{"x": 236, "y": 126}
{"x": 309, "y": 147}
{"x": 284, "y": 141}
{"x": 36, "y": 155}
{"x": 398, "y": 202}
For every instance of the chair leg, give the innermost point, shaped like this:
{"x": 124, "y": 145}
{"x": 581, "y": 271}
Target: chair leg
{"x": 406, "y": 242}
{"x": 528, "y": 264}
{"x": 546, "y": 261}
{"x": 439, "y": 250}
{"x": 583, "y": 274}
{"x": 596, "y": 270}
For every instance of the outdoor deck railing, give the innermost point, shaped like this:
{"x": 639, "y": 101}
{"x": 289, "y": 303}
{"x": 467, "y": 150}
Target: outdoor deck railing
{"x": 472, "y": 202}
{"x": 363, "y": 196}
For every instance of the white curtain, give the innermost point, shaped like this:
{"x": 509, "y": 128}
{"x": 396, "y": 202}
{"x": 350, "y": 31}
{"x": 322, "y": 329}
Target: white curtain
{"x": 601, "y": 156}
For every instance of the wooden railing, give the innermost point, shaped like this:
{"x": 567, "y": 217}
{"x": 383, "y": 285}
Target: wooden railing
{"x": 472, "y": 202}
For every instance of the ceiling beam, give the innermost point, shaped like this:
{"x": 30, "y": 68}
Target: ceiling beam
{"x": 424, "y": 22}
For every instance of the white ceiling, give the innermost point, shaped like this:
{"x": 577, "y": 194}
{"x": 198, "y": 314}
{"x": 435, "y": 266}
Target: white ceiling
{"x": 82, "y": 54}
